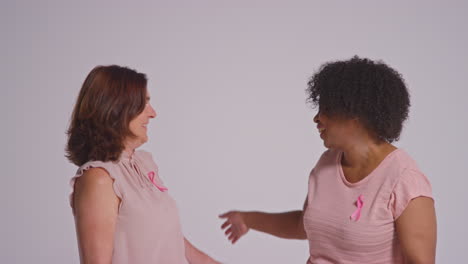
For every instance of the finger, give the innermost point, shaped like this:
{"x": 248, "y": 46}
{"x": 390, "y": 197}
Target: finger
{"x": 231, "y": 237}
{"x": 225, "y": 224}
{"x": 228, "y": 231}
{"x": 225, "y": 215}
{"x": 234, "y": 240}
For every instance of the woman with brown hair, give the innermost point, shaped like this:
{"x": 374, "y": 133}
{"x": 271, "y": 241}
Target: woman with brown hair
{"x": 123, "y": 211}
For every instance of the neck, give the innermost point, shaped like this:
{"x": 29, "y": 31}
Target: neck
{"x": 130, "y": 146}
{"x": 129, "y": 151}
{"x": 365, "y": 154}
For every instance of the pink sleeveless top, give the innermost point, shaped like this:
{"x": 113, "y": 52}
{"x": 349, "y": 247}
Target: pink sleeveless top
{"x": 355, "y": 222}
{"x": 148, "y": 228}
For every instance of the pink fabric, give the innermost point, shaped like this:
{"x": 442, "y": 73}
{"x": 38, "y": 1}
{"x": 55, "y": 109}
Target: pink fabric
{"x": 368, "y": 236}
{"x": 148, "y": 228}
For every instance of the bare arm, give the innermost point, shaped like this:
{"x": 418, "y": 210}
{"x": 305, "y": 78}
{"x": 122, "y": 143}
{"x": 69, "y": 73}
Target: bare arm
{"x": 95, "y": 207}
{"x": 196, "y": 256}
{"x": 417, "y": 231}
{"x": 284, "y": 225}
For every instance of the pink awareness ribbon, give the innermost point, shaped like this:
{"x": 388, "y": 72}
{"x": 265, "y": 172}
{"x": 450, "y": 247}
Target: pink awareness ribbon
{"x": 151, "y": 177}
{"x": 357, "y": 214}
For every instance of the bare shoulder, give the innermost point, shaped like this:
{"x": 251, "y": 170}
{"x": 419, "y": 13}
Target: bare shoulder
{"x": 94, "y": 189}
{"x": 94, "y": 177}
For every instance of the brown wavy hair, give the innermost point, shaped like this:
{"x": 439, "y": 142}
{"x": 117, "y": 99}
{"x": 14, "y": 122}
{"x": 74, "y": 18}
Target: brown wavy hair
{"x": 111, "y": 96}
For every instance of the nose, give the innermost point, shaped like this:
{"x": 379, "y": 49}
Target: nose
{"x": 316, "y": 118}
{"x": 151, "y": 112}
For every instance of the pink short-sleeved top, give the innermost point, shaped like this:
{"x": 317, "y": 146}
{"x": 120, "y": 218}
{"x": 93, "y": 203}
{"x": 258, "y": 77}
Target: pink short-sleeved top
{"x": 355, "y": 222}
{"x": 148, "y": 228}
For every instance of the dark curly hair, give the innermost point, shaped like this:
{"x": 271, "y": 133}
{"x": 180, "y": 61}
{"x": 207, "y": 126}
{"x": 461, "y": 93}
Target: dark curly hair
{"x": 361, "y": 88}
{"x": 111, "y": 96}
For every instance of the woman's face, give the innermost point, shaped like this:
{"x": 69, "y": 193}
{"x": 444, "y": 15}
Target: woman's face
{"x": 139, "y": 125}
{"x": 336, "y": 132}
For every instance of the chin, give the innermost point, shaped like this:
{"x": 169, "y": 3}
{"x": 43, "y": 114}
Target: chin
{"x": 141, "y": 140}
{"x": 328, "y": 145}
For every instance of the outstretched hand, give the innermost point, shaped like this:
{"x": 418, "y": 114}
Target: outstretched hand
{"x": 235, "y": 224}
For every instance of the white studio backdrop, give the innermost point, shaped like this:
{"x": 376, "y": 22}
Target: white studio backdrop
{"x": 233, "y": 131}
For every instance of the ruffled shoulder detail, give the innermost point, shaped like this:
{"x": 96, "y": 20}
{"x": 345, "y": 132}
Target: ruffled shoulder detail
{"x": 108, "y": 166}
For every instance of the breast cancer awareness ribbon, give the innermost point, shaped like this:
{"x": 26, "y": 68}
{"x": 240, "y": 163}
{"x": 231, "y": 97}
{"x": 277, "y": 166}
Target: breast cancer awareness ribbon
{"x": 151, "y": 177}
{"x": 357, "y": 214}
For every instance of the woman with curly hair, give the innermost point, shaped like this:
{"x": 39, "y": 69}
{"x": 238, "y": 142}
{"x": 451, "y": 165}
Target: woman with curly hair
{"x": 123, "y": 211}
{"x": 368, "y": 202}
